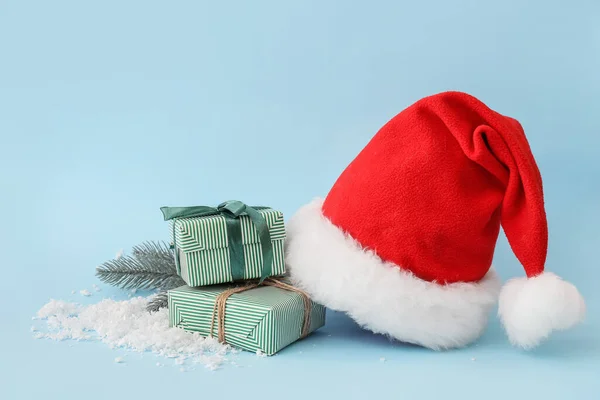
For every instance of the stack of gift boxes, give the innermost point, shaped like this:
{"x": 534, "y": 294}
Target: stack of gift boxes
{"x": 232, "y": 260}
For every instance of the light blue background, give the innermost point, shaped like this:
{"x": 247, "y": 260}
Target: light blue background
{"x": 111, "y": 109}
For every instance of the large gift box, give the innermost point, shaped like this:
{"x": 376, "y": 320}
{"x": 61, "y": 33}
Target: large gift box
{"x": 263, "y": 318}
{"x": 232, "y": 242}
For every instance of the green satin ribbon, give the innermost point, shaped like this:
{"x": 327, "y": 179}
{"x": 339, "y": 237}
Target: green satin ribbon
{"x": 231, "y": 210}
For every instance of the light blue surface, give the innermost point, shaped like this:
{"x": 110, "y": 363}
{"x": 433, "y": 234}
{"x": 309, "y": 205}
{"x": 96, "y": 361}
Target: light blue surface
{"x": 111, "y": 109}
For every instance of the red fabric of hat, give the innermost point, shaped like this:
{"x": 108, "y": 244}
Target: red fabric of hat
{"x": 430, "y": 190}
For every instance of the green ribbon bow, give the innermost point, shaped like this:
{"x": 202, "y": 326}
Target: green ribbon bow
{"x": 232, "y": 210}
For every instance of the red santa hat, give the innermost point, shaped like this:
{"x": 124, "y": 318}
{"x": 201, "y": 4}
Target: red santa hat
{"x": 404, "y": 241}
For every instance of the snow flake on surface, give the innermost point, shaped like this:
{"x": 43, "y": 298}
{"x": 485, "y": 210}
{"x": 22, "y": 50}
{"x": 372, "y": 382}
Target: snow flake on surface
{"x": 85, "y": 292}
{"x": 260, "y": 353}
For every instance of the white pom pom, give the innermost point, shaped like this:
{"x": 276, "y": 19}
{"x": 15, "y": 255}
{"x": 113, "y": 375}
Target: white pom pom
{"x": 531, "y": 308}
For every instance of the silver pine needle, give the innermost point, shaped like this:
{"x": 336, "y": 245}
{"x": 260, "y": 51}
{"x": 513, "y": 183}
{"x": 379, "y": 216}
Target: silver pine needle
{"x": 158, "y": 301}
{"x": 151, "y": 266}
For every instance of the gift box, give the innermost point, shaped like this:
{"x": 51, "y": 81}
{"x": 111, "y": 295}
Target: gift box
{"x": 229, "y": 243}
{"x": 266, "y": 318}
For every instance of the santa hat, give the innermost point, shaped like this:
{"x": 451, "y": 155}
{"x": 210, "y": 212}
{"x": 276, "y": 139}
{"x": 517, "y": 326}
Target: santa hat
{"x": 404, "y": 241}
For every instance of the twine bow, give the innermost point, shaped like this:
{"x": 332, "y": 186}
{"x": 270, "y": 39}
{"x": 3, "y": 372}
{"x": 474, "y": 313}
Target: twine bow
{"x": 221, "y": 301}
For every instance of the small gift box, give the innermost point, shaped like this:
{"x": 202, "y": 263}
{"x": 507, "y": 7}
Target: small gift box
{"x": 229, "y": 243}
{"x": 256, "y": 317}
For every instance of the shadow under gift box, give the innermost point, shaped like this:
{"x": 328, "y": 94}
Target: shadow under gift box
{"x": 202, "y": 248}
{"x": 265, "y": 318}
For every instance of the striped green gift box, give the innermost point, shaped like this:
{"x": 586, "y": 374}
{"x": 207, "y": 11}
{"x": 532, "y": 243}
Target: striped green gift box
{"x": 265, "y": 318}
{"x": 202, "y": 248}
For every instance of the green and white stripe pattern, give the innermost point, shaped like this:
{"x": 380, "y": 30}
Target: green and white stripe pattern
{"x": 201, "y": 245}
{"x": 265, "y": 318}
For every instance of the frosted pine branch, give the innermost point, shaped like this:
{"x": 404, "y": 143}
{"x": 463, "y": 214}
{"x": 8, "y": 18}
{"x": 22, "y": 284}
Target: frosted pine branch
{"x": 151, "y": 266}
{"x": 157, "y": 302}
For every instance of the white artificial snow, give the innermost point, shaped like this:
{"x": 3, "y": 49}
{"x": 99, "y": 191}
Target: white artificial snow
{"x": 473, "y": 359}
{"x": 119, "y": 254}
{"x": 127, "y": 324}
{"x": 96, "y": 288}
{"x": 85, "y": 292}
{"x": 259, "y": 353}
{"x": 382, "y": 359}
{"x": 73, "y": 292}
{"x": 119, "y": 360}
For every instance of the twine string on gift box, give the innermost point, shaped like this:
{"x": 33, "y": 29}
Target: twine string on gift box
{"x": 221, "y": 301}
